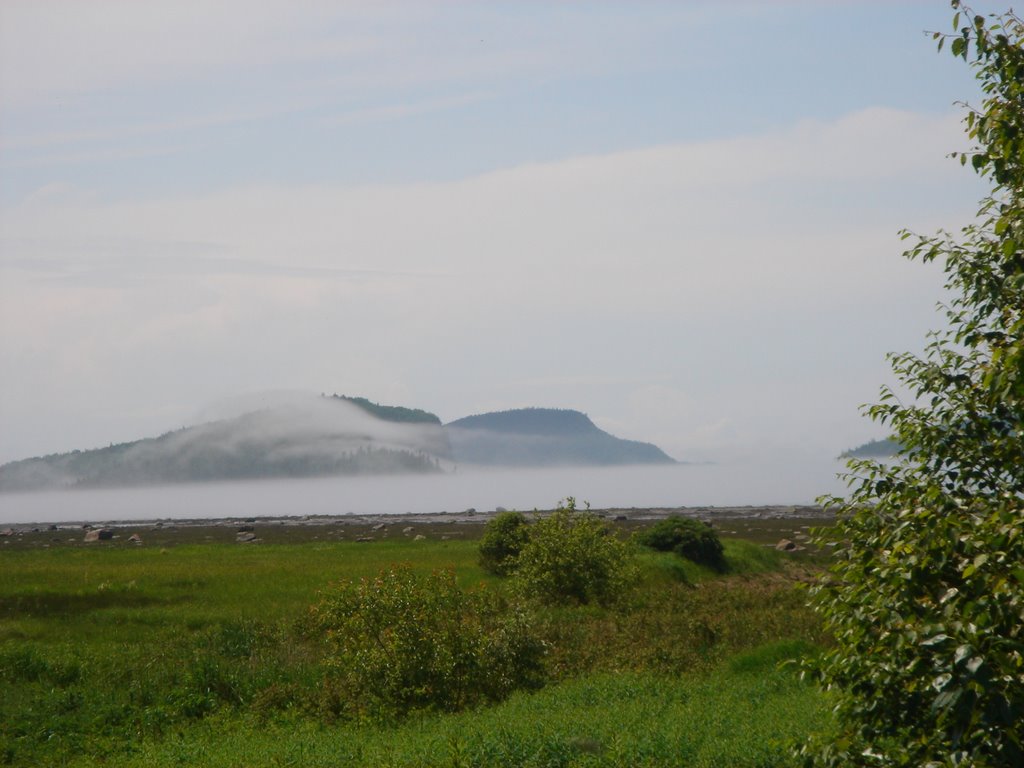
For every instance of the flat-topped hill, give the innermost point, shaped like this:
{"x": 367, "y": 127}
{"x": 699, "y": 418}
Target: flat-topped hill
{"x": 543, "y": 437}
{"x": 310, "y": 436}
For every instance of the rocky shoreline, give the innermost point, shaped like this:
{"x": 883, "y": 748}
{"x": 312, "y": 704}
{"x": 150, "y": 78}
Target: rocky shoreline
{"x": 767, "y": 523}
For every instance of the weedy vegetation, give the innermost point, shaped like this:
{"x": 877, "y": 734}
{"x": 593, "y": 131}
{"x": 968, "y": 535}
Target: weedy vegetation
{"x": 405, "y": 653}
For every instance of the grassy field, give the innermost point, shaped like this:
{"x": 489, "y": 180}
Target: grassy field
{"x": 202, "y": 654}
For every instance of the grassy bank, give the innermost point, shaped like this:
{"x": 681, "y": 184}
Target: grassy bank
{"x": 735, "y": 718}
{"x": 202, "y": 654}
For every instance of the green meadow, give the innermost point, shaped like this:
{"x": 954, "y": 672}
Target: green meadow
{"x": 206, "y": 654}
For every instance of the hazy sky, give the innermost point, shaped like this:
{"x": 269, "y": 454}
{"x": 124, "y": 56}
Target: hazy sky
{"x": 680, "y": 218}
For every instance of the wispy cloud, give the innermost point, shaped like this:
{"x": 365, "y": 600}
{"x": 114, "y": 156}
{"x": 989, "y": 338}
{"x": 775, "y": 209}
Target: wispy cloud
{"x": 410, "y": 109}
{"x": 59, "y": 49}
{"x": 111, "y": 132}
{"x": 713, "y": 269}
{"x": 65, "y": 159}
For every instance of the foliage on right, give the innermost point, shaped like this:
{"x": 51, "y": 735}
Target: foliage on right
{"x": 926, "y": 600}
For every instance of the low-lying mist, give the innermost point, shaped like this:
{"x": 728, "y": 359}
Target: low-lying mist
{"x": 278, "y": 435}
{"x": 764, "y": 481}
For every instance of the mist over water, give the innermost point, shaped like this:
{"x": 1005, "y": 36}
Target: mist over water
{"x": 763, "y": 481}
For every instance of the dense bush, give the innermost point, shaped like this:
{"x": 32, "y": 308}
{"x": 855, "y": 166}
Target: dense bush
{"x": 693, "y": 539}
{"x": 926, "y": 598}
{"x": 405, "y": 641}
{"x": 504, "y": 538}
{"x": 573, "y": 557}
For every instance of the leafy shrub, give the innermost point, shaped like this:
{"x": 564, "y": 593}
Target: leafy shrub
{"x": 504, "y": 538}
{"x": 405, "y": 641}
{"x": 693, "y": 539}
{"x": 573, "y": 557}
{"x": 926, "y": 596}
{"x": 280, "y": 697}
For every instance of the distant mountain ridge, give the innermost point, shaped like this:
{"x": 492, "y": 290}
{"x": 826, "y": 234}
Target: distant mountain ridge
{"x": 530, "y": 421}
{"x": 873, "y": 449}
{"x": 396, "y": 413}
{"x": 543, "y": 437}
{"x": 329, "y": 436}
{"x": 317, "y": 437}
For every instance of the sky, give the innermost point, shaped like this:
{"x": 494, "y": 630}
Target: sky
{"x": 680, "y": 217}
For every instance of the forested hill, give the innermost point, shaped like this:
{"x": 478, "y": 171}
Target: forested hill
{"x": 394, "y": 413}
{"x": 543, "y": 437}
{"x": 316, "y": 437}
{"x": 332, "y": 435}
{"x": 873, "y": 449}
{"x": 531, "y": 421}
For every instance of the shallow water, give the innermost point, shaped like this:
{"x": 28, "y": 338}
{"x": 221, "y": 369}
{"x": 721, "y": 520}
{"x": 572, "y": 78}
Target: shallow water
{"x": 760, "y": 482}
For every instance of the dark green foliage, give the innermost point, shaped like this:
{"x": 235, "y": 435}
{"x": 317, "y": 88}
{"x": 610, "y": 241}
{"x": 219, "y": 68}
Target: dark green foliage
{"x": 573, "y": 557}
{"x": 926, "y": 600}
{"x": 404, "y": 641}
{"x": 873, "y": 449}
{"x": 504, "y": 537}
{"x": 693, "y": 539}
{"x": 394, "y": 413}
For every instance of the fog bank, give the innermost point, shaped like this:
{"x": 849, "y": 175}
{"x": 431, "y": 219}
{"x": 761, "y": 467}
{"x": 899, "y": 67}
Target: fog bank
{"x": 754, "y": 482}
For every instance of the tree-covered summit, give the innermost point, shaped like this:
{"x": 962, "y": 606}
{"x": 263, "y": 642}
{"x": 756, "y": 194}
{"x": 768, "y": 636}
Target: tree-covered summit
{"x": 544, "y": 437}
{"x": 873, "y": 449}
{"x": 531, "y": 421}
{"x": 396, "y": 413}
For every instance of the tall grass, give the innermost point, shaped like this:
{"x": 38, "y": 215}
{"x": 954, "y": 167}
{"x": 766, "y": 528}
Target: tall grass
{"x": 201, "y": 654}
{"x": 733, "y": 719}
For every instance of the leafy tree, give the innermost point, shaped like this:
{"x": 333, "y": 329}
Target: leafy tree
{"x": 573, "y": 557}
{"x": 405, "y": 641}
{"x": 926, "y": 600}
{"x": 692, "y": 539}
{"x": 504, "y": 537}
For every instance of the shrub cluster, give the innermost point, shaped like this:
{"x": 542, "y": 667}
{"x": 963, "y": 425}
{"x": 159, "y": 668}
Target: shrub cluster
{"x": 406, "y": 641}
{"x": 569, "y": 557}
{"x": 693, "y": 539}
{"x": 504, "y": 538}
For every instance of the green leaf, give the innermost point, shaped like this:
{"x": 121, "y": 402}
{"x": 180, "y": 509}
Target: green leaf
{"x": 941, "y": 681}
{"x": 927, "y": 591}
{"x": 962, "y": 653}
{"x": 946, "y": 699}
